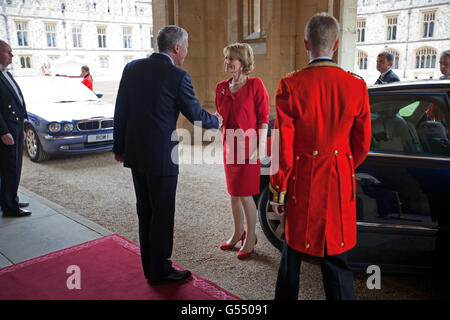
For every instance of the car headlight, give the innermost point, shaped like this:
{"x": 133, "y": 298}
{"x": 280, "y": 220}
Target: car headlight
{"x": 68, "y": 127}
{"x": 54, "y": 127}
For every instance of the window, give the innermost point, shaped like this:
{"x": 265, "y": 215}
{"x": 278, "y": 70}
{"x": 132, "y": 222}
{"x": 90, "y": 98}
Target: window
{"x": 395, "y": 54}
{"x": 25, "y": 62}
{"x": 126, "y": 37}
{"x": 426, "y": 58}
{"x": 391, "y": 31}
{"x": 128, "y": 59}
{"x": 252, "y": 20}
{"x": 428, "y": 24}
{"x": 410, "y": 124}
{"x": 104, "y": 62}
{"x": 76, "y": 36}
{"x": 101, "y": 33}
{"x": 361, "y": 30}
{"x": 50, "y": 30}
{"x": 362, "y": 60}
{"x": 152, "y": 41}
{"x": 22, "y": 34}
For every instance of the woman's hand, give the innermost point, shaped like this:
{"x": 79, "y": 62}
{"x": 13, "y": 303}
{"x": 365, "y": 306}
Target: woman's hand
{"x": 220, "y": 118}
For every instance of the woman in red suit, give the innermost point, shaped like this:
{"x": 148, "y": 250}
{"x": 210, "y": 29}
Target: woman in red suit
{"x": 243, "y": 103}
{"x": 87, "y": 78}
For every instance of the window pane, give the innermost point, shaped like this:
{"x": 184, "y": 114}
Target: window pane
{"x": 425, "y": 29}
{"x": 430, "y": 34}
{"x": 410, "y": 124}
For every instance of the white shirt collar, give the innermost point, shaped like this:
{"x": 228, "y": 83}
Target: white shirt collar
{"x": 384, "y": 73}
{"x": 171, "y": 60}
{"x": 3, "y": 69}
{"x": 321, "y": 58}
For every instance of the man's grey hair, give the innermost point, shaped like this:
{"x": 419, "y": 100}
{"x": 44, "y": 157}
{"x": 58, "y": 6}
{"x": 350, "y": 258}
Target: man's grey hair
{"x": 388, "y": 56}
{"x": 322, "y": 31}
{"x": 169, "y": 36}
{"x": 446, "y": 53}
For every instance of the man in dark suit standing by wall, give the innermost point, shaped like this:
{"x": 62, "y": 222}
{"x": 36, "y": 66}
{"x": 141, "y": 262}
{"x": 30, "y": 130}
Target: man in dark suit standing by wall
{"x": 384, "y": 65}
{"x": 152, "y": 93}
{"x": 12, "y": 114}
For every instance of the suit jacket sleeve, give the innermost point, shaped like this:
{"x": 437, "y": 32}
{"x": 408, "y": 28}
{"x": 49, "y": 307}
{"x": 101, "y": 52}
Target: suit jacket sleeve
{"x": 283, "y": 136}
{"x": 121, "y": 115}
{"x": 190, "y": 106}
{"x": 261, "y": 102}
{"x": 361, "y": 130}
{"x": 3, "y": 127}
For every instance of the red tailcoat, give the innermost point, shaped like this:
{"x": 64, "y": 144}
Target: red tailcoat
{"x": 323, "y": 118}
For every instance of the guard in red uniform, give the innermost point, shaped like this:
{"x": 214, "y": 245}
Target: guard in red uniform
{"x": 323, "y": 122}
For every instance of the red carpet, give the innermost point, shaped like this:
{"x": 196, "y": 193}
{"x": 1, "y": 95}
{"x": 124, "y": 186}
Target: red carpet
{"x": 110, "y": 269}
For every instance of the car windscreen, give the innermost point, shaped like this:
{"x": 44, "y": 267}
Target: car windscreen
{"x": 54, "y": 90}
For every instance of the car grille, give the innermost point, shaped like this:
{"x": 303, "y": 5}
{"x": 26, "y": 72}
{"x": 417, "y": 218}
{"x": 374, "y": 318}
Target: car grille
{"x": 96, "y": 124}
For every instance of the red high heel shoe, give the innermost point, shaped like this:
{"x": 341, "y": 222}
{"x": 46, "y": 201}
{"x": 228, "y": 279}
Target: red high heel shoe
{"x": 243, "y": 255}
{"x": 226, "y": 246}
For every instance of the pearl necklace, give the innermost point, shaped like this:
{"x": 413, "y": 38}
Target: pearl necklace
{"x": 237, "y": 83}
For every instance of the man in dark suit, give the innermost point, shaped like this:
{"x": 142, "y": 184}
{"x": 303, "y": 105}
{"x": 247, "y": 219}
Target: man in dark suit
{"x": 384, "y": 64}
{"x": 12, "y": 114}
{"x": 152, "y": 93}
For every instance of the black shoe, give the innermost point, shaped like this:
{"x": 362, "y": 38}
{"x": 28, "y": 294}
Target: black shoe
{"x": 17, "y": 213}
{"x": 23, "y": 204}
{"x": 173, "y": 276}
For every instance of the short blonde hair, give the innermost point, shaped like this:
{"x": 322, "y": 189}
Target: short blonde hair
{"x": 322, "y": 31}
{"x": 244, "y": 53}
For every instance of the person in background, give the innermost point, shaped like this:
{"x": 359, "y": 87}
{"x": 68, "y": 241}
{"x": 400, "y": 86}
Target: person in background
{"x": 12, "y": 114}
{"x": 243, "y": 103}
{"x": 384, "y": 65}
{"x": 87, "y": 78}
{"x": 444, "y": 63}
{"x": 323, "y": 129}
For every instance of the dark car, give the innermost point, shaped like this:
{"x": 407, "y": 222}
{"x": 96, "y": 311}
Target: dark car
{"x": 403, "y": 187}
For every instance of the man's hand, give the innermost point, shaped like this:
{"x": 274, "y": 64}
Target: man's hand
{"x": 7, "y": 139}
{"x": 220, "y": 118}
{"x": 279, "y": 209}
{"x": 119, "y": 157}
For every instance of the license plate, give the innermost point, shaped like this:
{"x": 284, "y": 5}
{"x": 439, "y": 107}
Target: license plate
{"x": 100, "y": 137}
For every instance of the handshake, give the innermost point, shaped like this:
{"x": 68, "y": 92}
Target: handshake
{"x": 220, "y": 118}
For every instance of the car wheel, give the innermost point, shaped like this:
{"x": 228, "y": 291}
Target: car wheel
{"x": 271, "y": 224}
{"x": 34, "y": 148}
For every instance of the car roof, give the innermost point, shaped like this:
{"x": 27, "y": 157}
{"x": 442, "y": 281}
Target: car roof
{"x": 411, "y": 86}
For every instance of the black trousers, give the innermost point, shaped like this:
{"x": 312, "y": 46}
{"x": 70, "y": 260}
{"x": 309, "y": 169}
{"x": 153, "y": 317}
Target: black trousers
{"x": 10, "y": 172}
{"x": 155, "y": 204}
{"x": 336, "y": 274}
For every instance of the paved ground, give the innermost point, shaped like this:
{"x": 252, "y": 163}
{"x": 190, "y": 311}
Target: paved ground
{"x": 50, "y": 228}
{"x": 100, "y": 190}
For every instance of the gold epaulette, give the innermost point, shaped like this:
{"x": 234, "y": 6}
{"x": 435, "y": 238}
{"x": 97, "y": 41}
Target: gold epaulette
{"x": 356, "y": 75}
{"x": 290, "y": 73}
{"x": 277, "y": 197}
